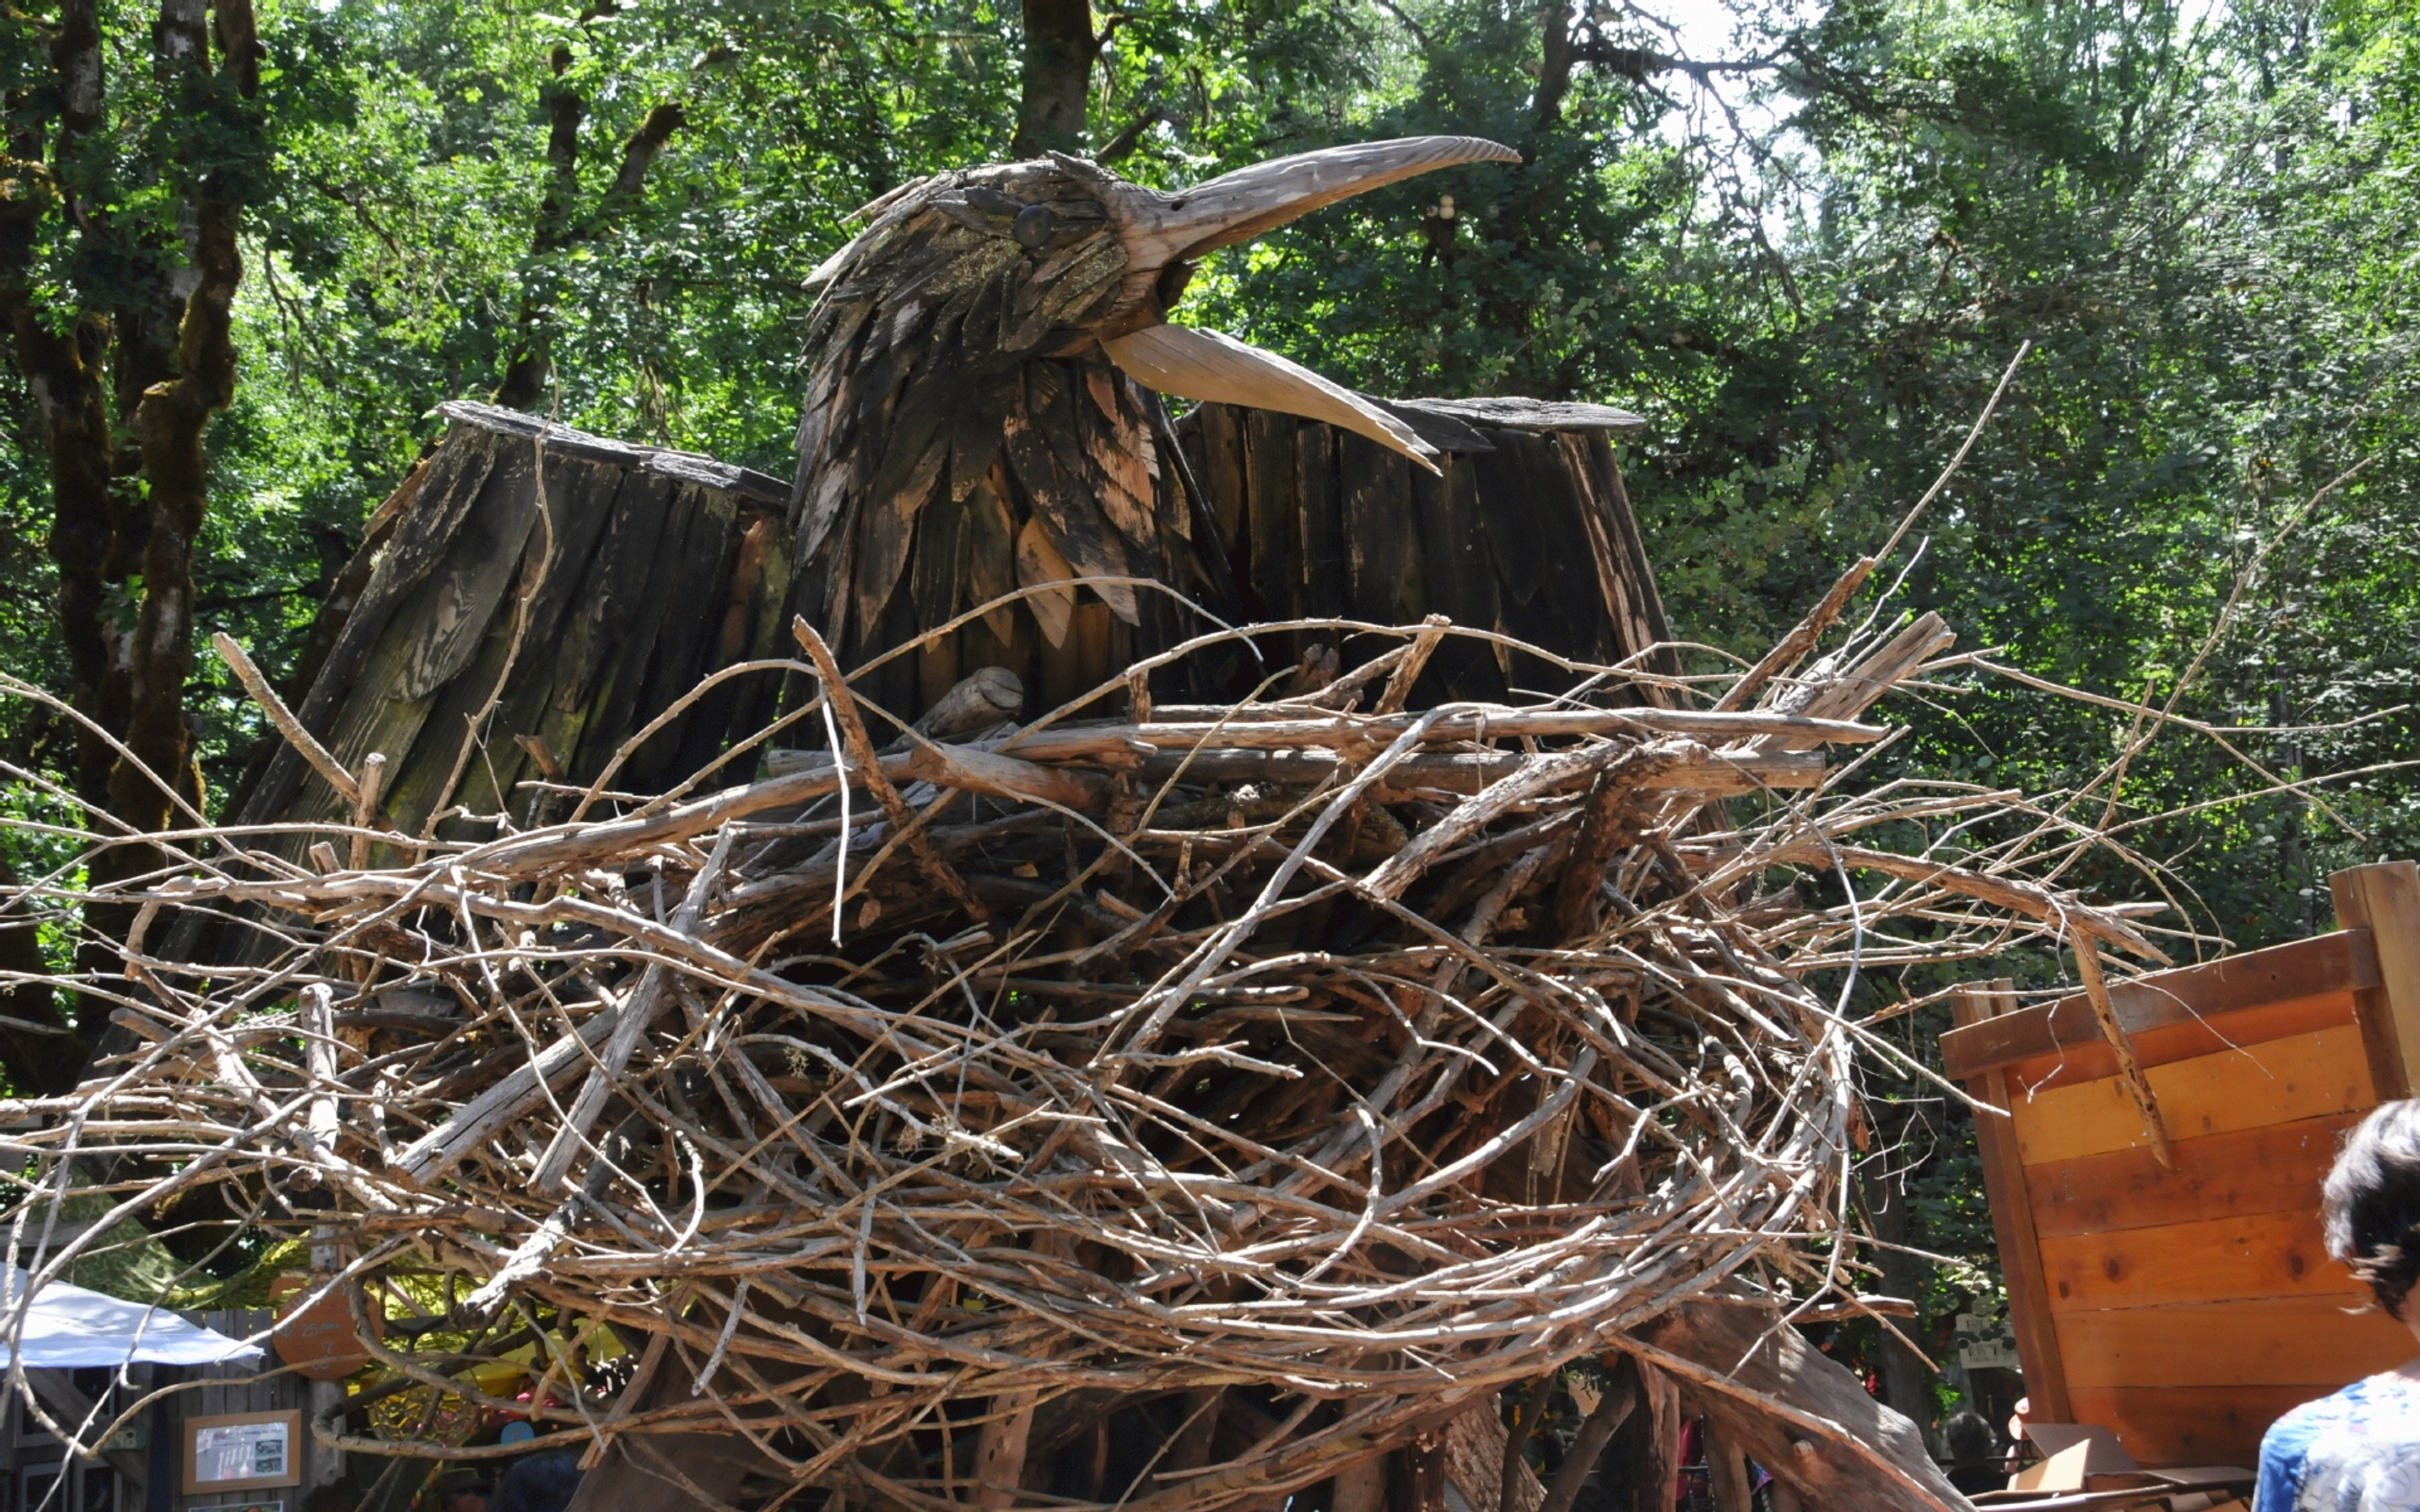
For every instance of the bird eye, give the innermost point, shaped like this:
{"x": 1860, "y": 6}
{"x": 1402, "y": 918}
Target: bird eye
{"x": 1035, "y": 226}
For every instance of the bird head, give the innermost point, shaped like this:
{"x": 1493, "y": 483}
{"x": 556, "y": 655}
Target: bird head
{"x": 966, "y": 351}
{"x": 1079, "y": 258}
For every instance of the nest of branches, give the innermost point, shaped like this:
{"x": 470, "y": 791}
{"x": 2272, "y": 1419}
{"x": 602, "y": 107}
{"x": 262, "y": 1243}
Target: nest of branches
{"x": 1359, "y": 1058}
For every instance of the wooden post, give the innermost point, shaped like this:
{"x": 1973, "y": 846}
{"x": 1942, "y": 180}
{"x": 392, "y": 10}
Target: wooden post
{"x": 2385, "y": 898}
{"x": 2012, "y": 1217}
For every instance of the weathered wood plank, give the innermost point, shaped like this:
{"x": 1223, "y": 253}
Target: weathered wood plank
{"x": 1381, "y": 545}
{"x": 390, "y": 706}
{"x": 1275, "y": 522}
{"x": 1319, "y": 522}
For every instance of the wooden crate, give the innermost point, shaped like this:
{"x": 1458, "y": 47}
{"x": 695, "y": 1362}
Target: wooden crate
{"x": 2188, "y": 1307}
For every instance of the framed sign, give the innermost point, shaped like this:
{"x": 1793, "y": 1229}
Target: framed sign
{"x": 243, "y": 1452}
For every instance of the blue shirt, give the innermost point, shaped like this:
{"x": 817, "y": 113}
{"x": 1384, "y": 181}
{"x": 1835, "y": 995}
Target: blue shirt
{"x": 2357, "y": 1451}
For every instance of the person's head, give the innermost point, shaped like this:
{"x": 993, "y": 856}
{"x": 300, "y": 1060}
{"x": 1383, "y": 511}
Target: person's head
{"x": 461, "y": 1490}
{"x": 2370, "y": 1206}
{"x": 1968, "y": 1438}
{"x": 537, "y": 1483}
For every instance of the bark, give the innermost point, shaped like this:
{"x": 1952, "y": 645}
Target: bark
{"x": 1060, "y": 47}
{"x": 64, "y": 369}
{"x": 532, "y": 356}
{"x": 169, "y": 424}
{"x": 1554, "y": 62}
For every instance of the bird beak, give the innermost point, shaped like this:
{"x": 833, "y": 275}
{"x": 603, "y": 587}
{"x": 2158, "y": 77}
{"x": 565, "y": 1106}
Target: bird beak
{"x": 1161, "y": 229}
{"x": 1216, "y": 369}
{"x": 1164, "y": 233}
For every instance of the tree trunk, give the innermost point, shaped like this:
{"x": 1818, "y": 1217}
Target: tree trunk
{"x": 129, "y": 503}
{"x": 169, "y": 423}
{"x": 1554, "y": 63}
{"x": 1060, "y": 47}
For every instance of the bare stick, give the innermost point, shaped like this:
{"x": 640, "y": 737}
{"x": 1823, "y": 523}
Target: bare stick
{"x": 862, "y": 752}
{"x": 283, "y": 717}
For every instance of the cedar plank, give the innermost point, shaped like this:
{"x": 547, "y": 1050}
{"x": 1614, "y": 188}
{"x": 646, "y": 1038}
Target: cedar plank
{"x": 2269, "y": 1169}
{"x": 2302, "y": 968}
{"x": 2282, "y": 1342}
{"x": 2013, "y": 1227}
{"x": 2191, "y": 1425}
{"x": 2246, "y": 1029}
{"x": 2303, "y": 1076}
{"x": 2279, "y": 1254}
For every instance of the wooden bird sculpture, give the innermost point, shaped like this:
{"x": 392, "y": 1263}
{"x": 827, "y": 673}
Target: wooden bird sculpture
{"x": 969, "y": 426}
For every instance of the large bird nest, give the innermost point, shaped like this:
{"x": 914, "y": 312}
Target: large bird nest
{"x": 1308, "y": 1046}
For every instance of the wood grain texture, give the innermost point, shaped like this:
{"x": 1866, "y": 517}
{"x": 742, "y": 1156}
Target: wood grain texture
{"x": 2189, "y": 1425}
{"x": 2272, "y": 1168}
{"x": 1794, "y": 1411}
{"x": 2384, "y": 900}
{"x": 635, "y": 563}
{"x": 2005, "y": 1180}
{"x": 2322, "y": 964}
{"x": 2302, "y": 1077}
{"x": 2212, "y": 1260}
{"x": 2274, "y": 1342}
{"x": 2245, "y": 1028}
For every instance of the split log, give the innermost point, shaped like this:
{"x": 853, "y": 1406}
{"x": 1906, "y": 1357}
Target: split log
{"x": 539, "y": 596}
{"x": 1527, "y": 531}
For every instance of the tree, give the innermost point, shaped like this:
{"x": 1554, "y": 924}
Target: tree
{"x": 118, "y": 283}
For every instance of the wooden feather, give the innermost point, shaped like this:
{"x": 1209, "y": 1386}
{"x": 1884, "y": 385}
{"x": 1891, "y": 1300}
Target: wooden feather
{"x": 1038, "y": 565}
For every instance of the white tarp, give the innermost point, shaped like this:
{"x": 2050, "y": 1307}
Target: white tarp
{"x": 69, "y": 1328}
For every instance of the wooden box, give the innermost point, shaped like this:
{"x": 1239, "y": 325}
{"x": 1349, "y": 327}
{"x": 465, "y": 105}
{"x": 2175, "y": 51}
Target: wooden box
{"x": 2187, "y": 1308}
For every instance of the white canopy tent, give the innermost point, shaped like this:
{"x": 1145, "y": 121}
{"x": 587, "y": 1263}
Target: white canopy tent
{"x": 69, "y": 1328}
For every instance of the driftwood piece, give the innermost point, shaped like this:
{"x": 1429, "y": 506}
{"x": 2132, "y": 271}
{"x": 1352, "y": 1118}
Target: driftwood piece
{"x": 1293, "y": 1108}
{"x": 1804, "y": 1418}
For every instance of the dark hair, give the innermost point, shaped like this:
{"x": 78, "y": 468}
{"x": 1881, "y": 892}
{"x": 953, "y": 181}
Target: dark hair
{"x": 537, "y": 1483}
{"x": 1969, "y": 1438}
{"x": 2371, "y": 1203}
